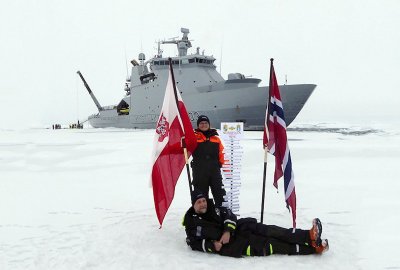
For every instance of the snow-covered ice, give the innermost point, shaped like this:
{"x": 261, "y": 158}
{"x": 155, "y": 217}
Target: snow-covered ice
{"x": 80, "y": 199}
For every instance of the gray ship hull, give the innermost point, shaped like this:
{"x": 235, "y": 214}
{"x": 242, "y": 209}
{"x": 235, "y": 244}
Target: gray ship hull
{"x": 244, "y": 105}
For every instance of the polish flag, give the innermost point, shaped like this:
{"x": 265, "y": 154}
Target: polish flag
{"x": 172, "y": 126}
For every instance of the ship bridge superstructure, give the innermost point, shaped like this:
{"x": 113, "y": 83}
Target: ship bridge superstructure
{"x": 191, "y": 66}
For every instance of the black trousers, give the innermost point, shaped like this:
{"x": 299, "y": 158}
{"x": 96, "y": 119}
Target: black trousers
{"x": 255, "y": 239}
{"x": 207, "y": 175}
{"x": 275, "y": 239}
{"x": 285, "y": 241}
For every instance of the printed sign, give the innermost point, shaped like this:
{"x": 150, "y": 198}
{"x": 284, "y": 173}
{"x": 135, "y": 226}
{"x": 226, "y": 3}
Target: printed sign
{"x": 232, "y": 129}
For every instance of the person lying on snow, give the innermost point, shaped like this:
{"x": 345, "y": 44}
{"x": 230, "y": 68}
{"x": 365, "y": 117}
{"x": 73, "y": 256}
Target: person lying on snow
{"x": 216, "y": 230}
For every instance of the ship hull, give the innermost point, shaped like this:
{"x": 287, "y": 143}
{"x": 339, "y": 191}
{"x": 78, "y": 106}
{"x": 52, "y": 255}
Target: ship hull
{"x": 238, "y": 104}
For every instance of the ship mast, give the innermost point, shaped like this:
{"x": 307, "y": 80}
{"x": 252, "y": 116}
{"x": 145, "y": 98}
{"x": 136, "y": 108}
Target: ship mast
{"x": 183, "y": 44}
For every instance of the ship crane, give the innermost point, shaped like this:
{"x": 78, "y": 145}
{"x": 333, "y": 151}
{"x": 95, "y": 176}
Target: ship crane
{"x": 90, "y": 92}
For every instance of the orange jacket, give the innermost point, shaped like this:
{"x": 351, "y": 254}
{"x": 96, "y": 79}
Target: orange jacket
{"x": 213, "y": 138}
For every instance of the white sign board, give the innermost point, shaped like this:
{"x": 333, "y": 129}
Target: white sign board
{"x": 232, "y": 133}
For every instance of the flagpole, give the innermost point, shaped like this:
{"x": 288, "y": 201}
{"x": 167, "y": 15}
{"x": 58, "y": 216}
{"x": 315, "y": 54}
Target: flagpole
{"x": 187, "y": 164}
{"x": 263, "y": 188}
{"x": 271, "y": 70}
{"x": 183, "y": 142}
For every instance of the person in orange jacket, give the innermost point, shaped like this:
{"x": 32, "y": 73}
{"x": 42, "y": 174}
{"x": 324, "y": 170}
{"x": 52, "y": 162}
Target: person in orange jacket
{"x": 208, "y": 159}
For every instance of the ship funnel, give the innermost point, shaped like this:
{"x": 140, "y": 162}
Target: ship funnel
{"x": 90, "y": 92}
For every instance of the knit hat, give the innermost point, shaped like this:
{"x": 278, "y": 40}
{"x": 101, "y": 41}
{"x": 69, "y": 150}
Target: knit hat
{"x": 202, "y": 118}
{"x": 197, "y": 194}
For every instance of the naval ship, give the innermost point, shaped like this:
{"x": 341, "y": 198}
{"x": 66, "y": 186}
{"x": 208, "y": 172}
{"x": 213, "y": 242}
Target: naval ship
{"x": 203, "y": 89}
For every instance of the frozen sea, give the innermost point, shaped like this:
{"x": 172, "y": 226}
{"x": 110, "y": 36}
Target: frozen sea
{"x": 81, "y": 199}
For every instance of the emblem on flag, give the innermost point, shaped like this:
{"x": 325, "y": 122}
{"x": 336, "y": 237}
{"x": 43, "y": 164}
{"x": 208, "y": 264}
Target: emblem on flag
{"x": 162, "y": 128}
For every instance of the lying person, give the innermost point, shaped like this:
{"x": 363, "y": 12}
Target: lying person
{"x": 216, "y": 230}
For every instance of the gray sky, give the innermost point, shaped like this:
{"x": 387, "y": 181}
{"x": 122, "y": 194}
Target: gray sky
{"x": 350, "y": 49}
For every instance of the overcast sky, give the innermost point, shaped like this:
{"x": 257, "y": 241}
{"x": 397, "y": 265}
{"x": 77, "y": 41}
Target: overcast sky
{"x": 350, "y": 49}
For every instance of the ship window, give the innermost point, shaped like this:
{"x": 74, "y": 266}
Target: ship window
{"x": 175, "y": 62}
{"x": 191, "y": 60}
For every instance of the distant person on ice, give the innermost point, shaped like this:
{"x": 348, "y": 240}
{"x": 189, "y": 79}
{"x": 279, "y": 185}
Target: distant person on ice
{"x": 208, "y": 159}
{"x": 216, "y": 230}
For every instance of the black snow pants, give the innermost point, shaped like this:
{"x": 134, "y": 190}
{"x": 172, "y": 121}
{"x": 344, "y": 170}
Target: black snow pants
{"x": 286, "y": 241}
{"x": 256, "y": 239}
{"x": 207, "y": 174}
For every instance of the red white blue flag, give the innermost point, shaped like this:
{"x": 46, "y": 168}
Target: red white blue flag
{"x": 275, "y": 139}
{"x": 173, "y": 124}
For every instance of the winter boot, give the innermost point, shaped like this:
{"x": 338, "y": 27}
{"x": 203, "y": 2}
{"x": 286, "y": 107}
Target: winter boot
{"x": 315, "y": 232}
{"x": 323, "y": 247}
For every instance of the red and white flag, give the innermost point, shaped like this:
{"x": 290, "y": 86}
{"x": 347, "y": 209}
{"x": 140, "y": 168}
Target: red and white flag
{"x": 275, "y": 139}
{"x": 169, "y": 160}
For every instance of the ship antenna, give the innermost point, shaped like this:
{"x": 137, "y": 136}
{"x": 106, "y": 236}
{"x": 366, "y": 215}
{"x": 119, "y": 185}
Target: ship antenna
{"x": 220, "y": 61}
{"x": 126, "y": 65}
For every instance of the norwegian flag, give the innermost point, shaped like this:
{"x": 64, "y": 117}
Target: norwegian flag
{"x": 275, "y": 139}
{"x": 169, "y": 160}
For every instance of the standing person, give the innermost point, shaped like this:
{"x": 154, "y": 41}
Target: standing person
{"x": 216, "y": 230}
{"x": 208, "y": 159}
